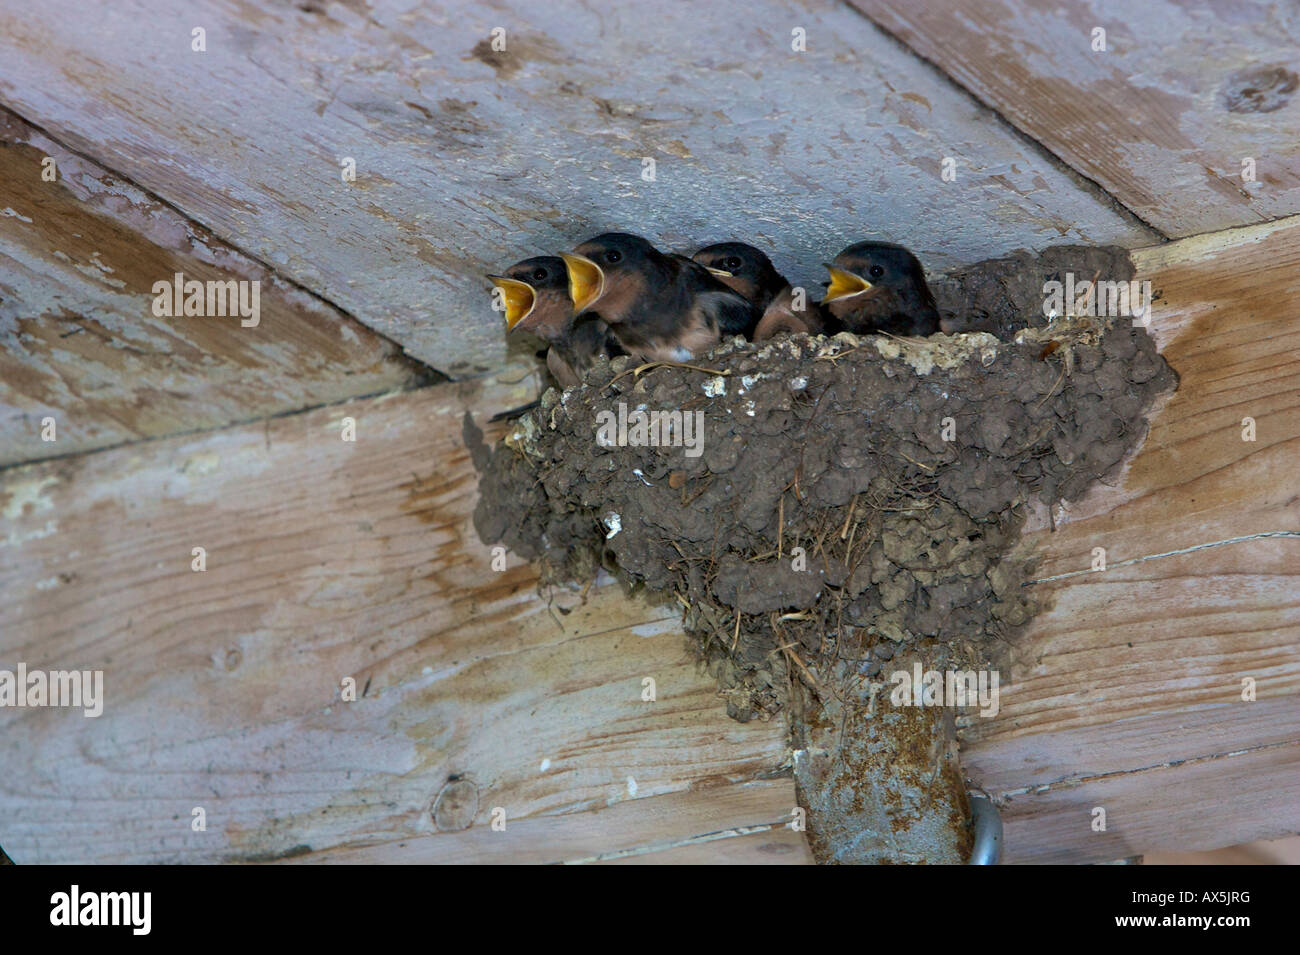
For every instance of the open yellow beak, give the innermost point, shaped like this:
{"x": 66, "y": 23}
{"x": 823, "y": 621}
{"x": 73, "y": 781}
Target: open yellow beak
{"x": 519, "y": 299}
{"x": 719, "y": 272}
{"x": 586, "y": 280}
{"x": 844, "y": 284}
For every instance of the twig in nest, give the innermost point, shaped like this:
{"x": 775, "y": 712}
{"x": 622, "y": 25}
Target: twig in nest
{"x": 821, "y": 539}
{"x": 839, "y": 625}
{"x": 704, "y": 486}
{"x": 839, "y": 354}
{"x": 1060, "y": 378}
{"x": 735, "y": 638}
{"x": 780, "y": 527}
{"x": 916, "y": 462}
{"x": 651, "y": 365}
{"x": 1091, "y": 293}
{"x": 794, "y": 483}
{"x": 844, "y": 531}
{"x": 798, "y": 468}
{"x": 789, "y": 651}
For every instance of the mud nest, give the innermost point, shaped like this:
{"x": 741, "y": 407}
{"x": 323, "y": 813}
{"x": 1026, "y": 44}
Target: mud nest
{"x": 851, "y": 497}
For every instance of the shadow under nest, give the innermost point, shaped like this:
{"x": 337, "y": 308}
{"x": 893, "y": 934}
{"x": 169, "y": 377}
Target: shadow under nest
{"x": 817, "y": 505}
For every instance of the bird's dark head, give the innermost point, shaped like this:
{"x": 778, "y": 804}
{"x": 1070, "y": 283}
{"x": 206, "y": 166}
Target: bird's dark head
{"x": 535, "y": 293}
{"x": 873, "y": 282}
{"x": 744, "y": 269}
{"x": 611, "y": 269}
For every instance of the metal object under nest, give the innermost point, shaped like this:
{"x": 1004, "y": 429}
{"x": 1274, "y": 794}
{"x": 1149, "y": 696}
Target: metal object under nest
{"x": 988, "y": 830}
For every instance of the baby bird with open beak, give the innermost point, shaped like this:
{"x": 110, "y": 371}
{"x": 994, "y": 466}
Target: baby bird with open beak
{"x": 536, "y": 295}
{"x": 660, "y": 307}
{"x": 751, "y": 273}
{"x": 880, "y": 287}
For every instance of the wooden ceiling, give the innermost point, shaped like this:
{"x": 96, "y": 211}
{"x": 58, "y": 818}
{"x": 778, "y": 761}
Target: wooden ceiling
{"x": 330, "y": 559}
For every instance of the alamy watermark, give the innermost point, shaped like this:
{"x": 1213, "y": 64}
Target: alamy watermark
{"x": 184, "y": 297}
{"x": 76, "y": 907}
{"x": 1089, "y": 297}
{"x": 83, "y": 688}
{"x": 956, "y": 688}
{"x": 651, "y": 429}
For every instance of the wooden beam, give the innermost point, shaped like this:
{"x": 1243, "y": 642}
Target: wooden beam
{"x": 469, "y": 158}
{"x": 733, "y": 823}
{"x": 1174, "y": 779}
{"x": 79, "y": 255}
{"x": 328, "y": 560}
{"x": 1163, "y": 118}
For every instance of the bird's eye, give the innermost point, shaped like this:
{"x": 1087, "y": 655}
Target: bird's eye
{"x": 876, "y": 272}
{"x": 731, "y": 263}
{"x": 540, "y": 274}
{"x": 613, "y": 255}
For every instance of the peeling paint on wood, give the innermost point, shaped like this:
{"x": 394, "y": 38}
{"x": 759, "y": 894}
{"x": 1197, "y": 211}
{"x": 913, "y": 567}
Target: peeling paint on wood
{"x": 79, "y": 342}
{"x": 1163, "y": 118}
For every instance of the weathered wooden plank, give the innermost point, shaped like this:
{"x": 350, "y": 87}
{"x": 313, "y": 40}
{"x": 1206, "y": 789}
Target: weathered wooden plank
{"x": 1206, "y": 804}
{"x": 1182, "y": 778}
{"x": 1264, "y": 852}
{"x": 469, "y": 158}
{"x": 325, "y": 559}
{"x": 771, "y": 847}
{"x": 79, "y": 341}
{"x": 1163, "y": 119}
{"x": 740, "y": 823}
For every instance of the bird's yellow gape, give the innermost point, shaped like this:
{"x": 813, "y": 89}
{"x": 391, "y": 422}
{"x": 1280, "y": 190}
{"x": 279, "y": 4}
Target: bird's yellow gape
{"x": 519, "y": 298}
{"x": 844, "y": 284}
{"x": 586, "y": 280}
{"x": 721, "y": 273}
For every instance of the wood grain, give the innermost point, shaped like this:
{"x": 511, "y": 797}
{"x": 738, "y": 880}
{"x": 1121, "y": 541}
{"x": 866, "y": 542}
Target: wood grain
{"x": 735, "y": 824}
{"x": 1178, "y": 778}
{"x": 1162, "y": 119}
{"x": 468, "y": 159}
{"x": 79, "y": 342}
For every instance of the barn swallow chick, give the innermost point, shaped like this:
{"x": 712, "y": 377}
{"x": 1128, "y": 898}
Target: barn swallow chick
{"x": 536, "y": 295}
{"x": 745, "y": 270}
{"x": 660, "y": 307}
{"x": 749, "y": 272}
{"x": 880, "y": 287}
